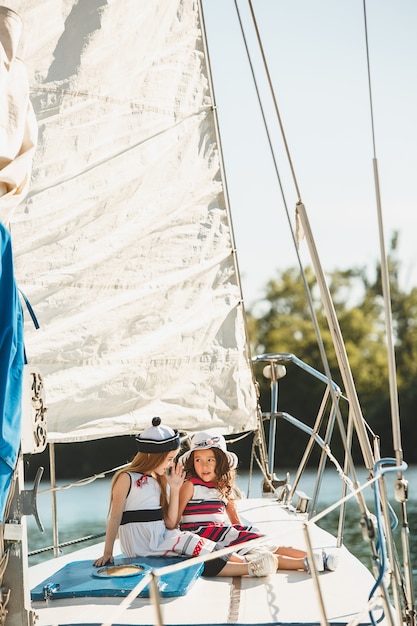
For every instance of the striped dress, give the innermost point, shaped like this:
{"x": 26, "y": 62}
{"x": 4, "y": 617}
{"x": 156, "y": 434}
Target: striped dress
{"x": 205, "y": 515}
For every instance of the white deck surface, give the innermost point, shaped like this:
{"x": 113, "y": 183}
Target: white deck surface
{"x": 287, "y": 597}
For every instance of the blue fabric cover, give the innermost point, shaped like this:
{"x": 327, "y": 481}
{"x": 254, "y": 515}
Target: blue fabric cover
{"x": 12, "y": 358}
{"x": 78, "y": 580}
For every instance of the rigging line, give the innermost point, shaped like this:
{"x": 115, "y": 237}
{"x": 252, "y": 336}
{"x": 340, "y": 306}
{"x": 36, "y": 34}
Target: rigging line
{"x": 409, "y": 608}
{"x": 385, "y": 279}
{"x": 369, "y": 77}
{"x": 213, "y": 107}
{"x": 303, "y": 274}
{"x": 65, "y": 544}
{"x": 222, "y": 167}
{"x": 261, "y": 105}
{"x": 319, "y": 338}
{"x": 334, "y": 327}
{"x": 272, "y": 91}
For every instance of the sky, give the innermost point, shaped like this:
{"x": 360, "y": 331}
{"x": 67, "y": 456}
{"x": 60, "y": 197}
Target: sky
{"x": 316, "y": 55}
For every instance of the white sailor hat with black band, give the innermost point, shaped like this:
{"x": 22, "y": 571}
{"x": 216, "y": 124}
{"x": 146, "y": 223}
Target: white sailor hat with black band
{"x": 158, "y": 438}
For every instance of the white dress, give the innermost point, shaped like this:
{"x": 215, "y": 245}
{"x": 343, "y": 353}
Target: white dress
{"x": 152, "y": 538}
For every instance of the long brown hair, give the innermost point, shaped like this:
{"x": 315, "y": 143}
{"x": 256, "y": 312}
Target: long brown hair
{"x": 145, "y": 463}
{"x": 225, "y": 477}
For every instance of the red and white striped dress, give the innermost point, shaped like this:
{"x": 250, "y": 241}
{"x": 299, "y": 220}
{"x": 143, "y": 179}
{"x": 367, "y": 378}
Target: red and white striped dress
{"x": 205, "y": 515}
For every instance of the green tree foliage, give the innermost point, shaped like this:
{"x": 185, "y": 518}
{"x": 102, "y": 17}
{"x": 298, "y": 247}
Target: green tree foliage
{"x": 285, "y": 326}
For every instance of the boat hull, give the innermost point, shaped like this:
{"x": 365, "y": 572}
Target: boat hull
{"x": 287, "y": 597}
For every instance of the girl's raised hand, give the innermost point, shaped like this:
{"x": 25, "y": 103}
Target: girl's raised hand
{"x": 176, "y": 476}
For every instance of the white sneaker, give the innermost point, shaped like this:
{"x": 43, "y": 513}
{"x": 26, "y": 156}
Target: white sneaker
{"x": 264, "y": 565}
{"x": 325, "y": 561}
{"x": 319, "y": 560}
{"x": 330, "y": 561}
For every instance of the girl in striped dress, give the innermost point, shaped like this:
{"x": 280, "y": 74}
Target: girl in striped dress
{"x": 207, "y": 506}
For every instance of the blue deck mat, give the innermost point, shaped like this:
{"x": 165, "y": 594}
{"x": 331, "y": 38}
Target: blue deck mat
{"x": 79, "y": 579}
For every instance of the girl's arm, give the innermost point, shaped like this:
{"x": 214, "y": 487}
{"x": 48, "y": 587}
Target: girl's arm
{"x": 186, "y": 493}
{"x": 175, "y": 481}
{"x": 232, "y": 513}
{"x": 119, "y": 495}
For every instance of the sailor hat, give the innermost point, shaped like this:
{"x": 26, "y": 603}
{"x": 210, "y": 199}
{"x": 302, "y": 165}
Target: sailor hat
{"x": 158, "y": 438}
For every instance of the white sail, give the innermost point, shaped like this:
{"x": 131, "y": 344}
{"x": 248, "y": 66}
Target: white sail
{"x": 124, "y": 247}
{"x": 18, "y": 131}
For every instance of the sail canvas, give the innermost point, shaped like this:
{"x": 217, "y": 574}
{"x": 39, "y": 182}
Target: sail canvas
{"x": 124, "y": 246}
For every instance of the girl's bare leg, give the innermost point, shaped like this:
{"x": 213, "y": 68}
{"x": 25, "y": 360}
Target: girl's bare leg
{"x": 234, "y": 569}
{"x": 236, "y": 558}
{"x": 290, "y": 551}
{"x": 288, "y": 562}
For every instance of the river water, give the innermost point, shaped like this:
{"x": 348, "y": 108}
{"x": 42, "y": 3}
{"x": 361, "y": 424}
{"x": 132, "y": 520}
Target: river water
{"x": 82, "y": 511}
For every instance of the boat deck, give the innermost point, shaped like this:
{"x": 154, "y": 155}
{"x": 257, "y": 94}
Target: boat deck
{"x": 287, "y": 597}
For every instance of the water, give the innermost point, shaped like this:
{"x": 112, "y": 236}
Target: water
{"x": 82, "y": 511}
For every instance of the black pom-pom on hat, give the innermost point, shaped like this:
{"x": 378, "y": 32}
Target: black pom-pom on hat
{"x": 158, "y": 438}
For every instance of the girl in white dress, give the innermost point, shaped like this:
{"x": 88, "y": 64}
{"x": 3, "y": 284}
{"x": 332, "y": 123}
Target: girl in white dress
{"x": 146, "y": 519}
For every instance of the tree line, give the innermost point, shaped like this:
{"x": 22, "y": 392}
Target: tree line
{"x": 284, "y": 325}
